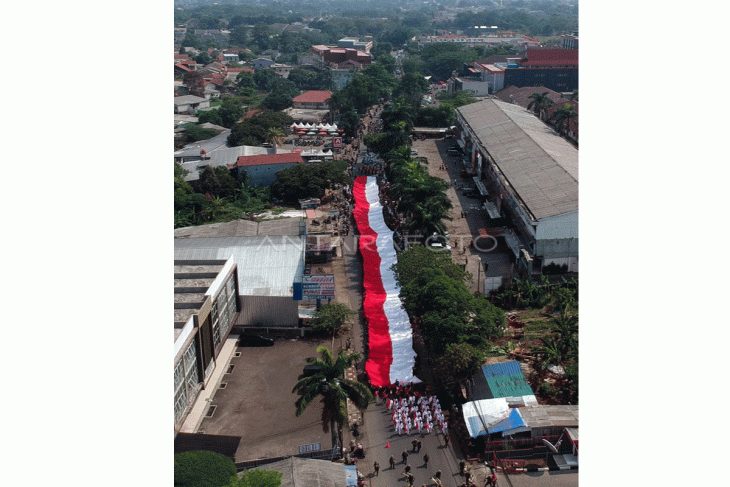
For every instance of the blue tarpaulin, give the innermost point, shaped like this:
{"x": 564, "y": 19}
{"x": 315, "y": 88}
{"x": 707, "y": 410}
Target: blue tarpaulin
{"x": 513, "y": 421}
{"x": 351, "y": 474}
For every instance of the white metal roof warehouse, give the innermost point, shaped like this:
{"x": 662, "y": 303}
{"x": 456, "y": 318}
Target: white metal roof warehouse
{"x": 540, "y": 165}
{"x": 268, "y": 267}
{"x": 532, "y": 173}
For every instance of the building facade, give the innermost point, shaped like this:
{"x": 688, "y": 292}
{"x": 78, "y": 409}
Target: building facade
{"x": 207, "y": 305}
{"x": 531, "y": 175}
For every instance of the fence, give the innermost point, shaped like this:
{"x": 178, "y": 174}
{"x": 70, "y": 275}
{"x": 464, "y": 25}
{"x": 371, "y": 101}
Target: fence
{"x": 519, "y": 443}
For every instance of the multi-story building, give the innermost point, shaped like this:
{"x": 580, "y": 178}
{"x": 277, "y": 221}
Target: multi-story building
{"x": 206, "y": 307}
{"x": 556, "y": 69}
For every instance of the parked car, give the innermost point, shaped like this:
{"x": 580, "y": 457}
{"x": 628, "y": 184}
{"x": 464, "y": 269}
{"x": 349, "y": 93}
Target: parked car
{"x": 255, "y": 341}
{"x": 311, "y": 369}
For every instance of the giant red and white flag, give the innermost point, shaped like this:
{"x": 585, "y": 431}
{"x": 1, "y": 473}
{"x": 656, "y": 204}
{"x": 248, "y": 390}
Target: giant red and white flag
{"x": 390, "y": 342}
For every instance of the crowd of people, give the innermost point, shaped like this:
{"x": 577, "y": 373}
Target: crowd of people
{"x": 413, "y": 411}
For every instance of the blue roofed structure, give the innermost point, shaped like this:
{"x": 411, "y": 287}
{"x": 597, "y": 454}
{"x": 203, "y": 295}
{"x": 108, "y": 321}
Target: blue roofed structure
{"x": 513, "y": 424}
{"x": 502, "y": 380}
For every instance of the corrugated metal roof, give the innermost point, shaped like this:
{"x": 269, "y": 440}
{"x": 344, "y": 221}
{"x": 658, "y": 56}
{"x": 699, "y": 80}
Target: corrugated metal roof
{"x": 267, "y": 265}
{"x": 540, "y": 165}
{"x": 509, "y": 385}
{"x": 504, "y": 368}
{"x": 546, "y": 416}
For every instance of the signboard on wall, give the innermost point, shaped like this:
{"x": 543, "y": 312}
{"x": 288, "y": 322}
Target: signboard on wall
{"x": 337, "y": 142}
{"x": 318, "y": 286}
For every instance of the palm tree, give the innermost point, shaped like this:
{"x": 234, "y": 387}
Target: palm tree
{"x": 329, "y": 382}
{"x": 274, "y": 136}
{"x": 562, "y": 117}
{"x": 540, "y": 101}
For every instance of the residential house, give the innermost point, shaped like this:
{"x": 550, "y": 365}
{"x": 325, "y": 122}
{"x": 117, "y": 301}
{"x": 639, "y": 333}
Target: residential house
{"x": 323, "y": 56}
{"x": 234, "y": 72}
{"x": 262, "y": 169}
{"x": 262, "y": 63}
{"x": 282, "y": 70}
{"x": 521, "y": 96}
{"x": 189, "y": 104}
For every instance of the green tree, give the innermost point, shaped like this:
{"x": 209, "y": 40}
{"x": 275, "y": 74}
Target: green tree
{"x": 308, "y": 181}
{"x": 540, "y": 101}
{"x": 193, "y": 133}
{"x": 562, "y": 117}
{"x": 330, "y": 318}
{"x": 203, "y": 469}
{"x": 257, "y": 478}
{"x": 275, "y": 136}
{"x": 459, "y": 362}
{"x": 329, "y": 384}
{"x": 276, "y": 101}
{"x": 381, "y": 48}
{"x": 413, "y": 260}
{"x": 264, "y": 79}
{"x": 231, "y": 111}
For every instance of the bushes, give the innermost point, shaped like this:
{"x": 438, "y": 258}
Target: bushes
{"x": 203, "y": 469}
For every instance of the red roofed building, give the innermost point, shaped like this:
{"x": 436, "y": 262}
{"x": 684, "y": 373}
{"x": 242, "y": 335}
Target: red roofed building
{"x": 313, "y": 99}
{"x": 336, "y": 55}
{"x": 554, "y": 58}
{"x": 556, "y": 69}
{"x": 262, "y": 169}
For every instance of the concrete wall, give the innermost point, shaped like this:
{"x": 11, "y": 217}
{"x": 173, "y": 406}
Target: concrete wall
{"x": 269, "y": 311}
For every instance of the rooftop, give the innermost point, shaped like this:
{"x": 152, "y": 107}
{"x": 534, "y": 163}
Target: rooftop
{"x": 540, "y": 165}
{"x": 192, "y": 281}
{"x": 546, "y": 416}
{"x": 550, "y": 57}
{"x": 265, "y": 159}
{"x": 313, "y": 96}
{"x": 242, "y": 228}
{"x": 267, "y": 265}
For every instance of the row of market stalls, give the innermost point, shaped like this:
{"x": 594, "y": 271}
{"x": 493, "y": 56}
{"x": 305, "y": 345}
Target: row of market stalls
{"x": 315, "y": 129}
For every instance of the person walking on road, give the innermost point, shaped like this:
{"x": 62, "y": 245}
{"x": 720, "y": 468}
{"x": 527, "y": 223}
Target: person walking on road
{"x": 405, "y": 457}
{"x": 419, "y": 445}
{"x": 376, "y": 467}
{"x": 392, "y": 462}
{"x": 491, "y": 480}
{"x": 415, "y": 445}
{"x": 425, "y": 460}
{"x": 446, "y": 441}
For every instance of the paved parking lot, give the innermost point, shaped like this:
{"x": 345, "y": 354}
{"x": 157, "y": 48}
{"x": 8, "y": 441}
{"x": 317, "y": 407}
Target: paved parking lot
{"x": 463, "y": 226}
{"x": 258, "y": 405}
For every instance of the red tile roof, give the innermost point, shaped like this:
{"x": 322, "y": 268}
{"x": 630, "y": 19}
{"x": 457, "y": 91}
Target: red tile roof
{"x": 266, "y": 159}
{"x": 179, "y": 57}
{"x": 182, "y": 66}
{"x": 313, "y": 96}
{"x": 550, "y": 57}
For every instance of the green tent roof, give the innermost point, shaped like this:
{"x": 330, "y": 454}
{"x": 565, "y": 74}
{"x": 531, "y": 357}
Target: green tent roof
{"x": 514, "y": 385}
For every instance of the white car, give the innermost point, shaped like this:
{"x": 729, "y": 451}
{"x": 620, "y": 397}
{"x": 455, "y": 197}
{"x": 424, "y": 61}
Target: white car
{"x": 438, "y": 246}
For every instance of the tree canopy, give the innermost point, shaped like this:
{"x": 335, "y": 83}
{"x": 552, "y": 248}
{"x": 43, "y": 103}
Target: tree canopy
{"x": 308, "y": 180}
{"x": 257, "y": 478}
{"x": 203, "y": 469}
{"x": 330, "y": 318}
